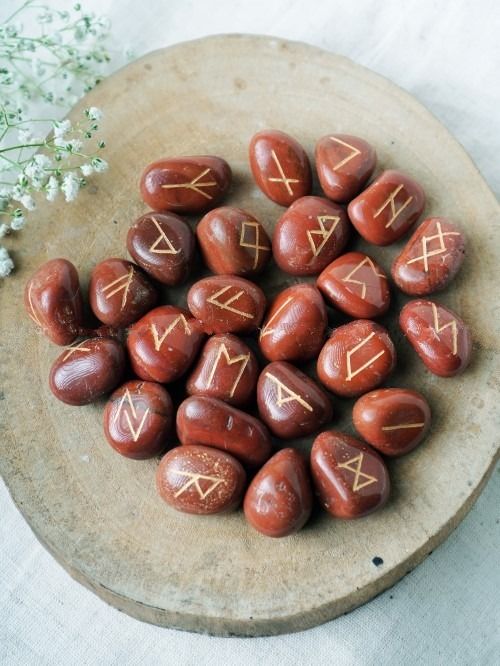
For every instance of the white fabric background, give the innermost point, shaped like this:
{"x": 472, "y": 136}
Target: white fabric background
{"x": 447, "y": 611}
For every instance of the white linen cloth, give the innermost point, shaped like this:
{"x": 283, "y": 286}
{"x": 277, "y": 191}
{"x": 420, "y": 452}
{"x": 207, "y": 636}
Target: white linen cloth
{"x": 447, "y": 611}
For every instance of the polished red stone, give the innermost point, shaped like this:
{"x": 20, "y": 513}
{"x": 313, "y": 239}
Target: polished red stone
{"x": 280, "y": 166}
{"x": 295, "y": 325}
{"x": 212, "y": 422}
{"x": 278, "y": 501}
{"x": 226, "y": 369}
{"x": 441, "y": 339}
{"x": 355, "y": 284}
{"x": 87, "y": 370}
{"x": 392, "y": 420}
{"x": 227, "y": 304}
{"x": 233, "y": 242}
{"x": 309, "y": 235}
{"x": 163, "y": 344}
{"x": 138, "y": 419}
{"x": 290, "y": 403}
{"x": 163, "y": 245}
{"x": 200, "y": 480}
{"x": 431, "y": 258}
{"x": 388, "y": 208}
{"x": 344, "y": 164}
{"x": 185, "y": 184}
{"x": 53, "y": 300}
{"x": 119, "y": 292}
{"x": 350, "y": 478}
{"x": 357, "y": 358}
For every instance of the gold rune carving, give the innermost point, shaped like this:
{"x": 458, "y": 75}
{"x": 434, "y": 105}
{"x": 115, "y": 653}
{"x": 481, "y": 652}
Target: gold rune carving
{"x": 351, "y": 156}
{"x": 426, "y": 240}
{"x": 323, "y": 232}
{"x": 241, "y": 358}
{"x": 75, "y": 347}
{"x": 33, "y": 314}
{"x": 267, "y": 330}
{"x": 158, "y": 341}
{"x": 287, "y": 395}
{"x": 439, "y": 329}
{"x": 358, "y": 474}
{"x": 170, "y": 249}
{"x": 196, "y": 185}
{"x": 350, "y": 374}
{"x": 404, "y": 426}
{"x": 226, "y": 305}
{"x": 286, "y": 181}
{"x": 248, "y": 224}
{"x": 122, "y": 284}
{"x": 135, "y": 433}
{"x": 365, "y": 262}
{"x": 193, "y": 479}
{"x": 390, "y": 201}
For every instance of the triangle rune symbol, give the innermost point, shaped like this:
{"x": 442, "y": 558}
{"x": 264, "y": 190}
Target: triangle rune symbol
{"x": 193, "y": 479}
{"x": 162, "y": 238}
{"x": 285, "y": 394}
{"x": 356, "y": 470}
{"x": 323, "y": 232}
{"x": 159, "y": 340}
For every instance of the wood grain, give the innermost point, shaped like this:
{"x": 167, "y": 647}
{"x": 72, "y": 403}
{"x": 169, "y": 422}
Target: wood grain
{"x": 98, "y": 513}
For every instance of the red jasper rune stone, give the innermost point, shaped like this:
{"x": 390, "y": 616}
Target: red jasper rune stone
{"x": 280, "y": 166}
{"x": 387, "y": 209}
{"x": 351, "y": 479}
{"x": 357, "y": 358}
{"x": 278, "y": 501}
{"x": 392, "y": 420}
{"x": 431, "y": 258}
{"x": 138, "y": 419}
{"x": 163, "y": 245}
{"x": 211, "y": 422}
{"x": 295, "y": 326}
{"x": 163, "y": 344}
{"x": 233, "y": 242}
{"x": 290, "y": 403}
{"x": 441, "y": 339}
{"x": 226, "y": 369}
{"x": 357, "y": 285}
{"x": 344, "y": 164}
{"x": 309, "y": 235}
{"x": 201, "y": 480}
{"x": 185, "y": 184}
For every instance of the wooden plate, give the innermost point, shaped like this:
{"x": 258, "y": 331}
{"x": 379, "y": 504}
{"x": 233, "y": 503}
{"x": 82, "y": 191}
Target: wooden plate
{"x": 98, "y": 513}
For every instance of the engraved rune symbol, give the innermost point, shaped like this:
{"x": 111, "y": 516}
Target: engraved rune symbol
{"x": 158, "y": 341}
{"x": 170, "y": 249}
{"x": 255, "y": 245}
{"x": 286, "y": 181}
{"x": 195, "y": 185}
{"x": 267, "y": 330}
{"x": 426, "y": 240}
{"x": 75, "y": 347}
{"x": 350, "y": 374}
{"x": 194, "y": 480}
{"x": 390, "y": 201}
{"x": 403, "y": 426}
{"x": 439, "y": 329}
{"x": 322, "y": 231}
{"x": 242, "y": 358}
{"x": 226, "y": 305}
{"x": 358, "y": 462}
{"x": 291, "y": 396}
{"x": 365, "y": 262}
{"x": 122, "y": 284}
{"x": 135, "y": 433}
{"x": 351, "y": 156}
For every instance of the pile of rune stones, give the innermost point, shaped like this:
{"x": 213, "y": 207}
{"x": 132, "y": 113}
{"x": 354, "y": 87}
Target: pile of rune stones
{"x": 227, "y": 454}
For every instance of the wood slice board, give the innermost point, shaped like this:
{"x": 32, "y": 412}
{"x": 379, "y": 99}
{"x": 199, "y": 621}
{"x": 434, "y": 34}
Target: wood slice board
{"x": 98, "y": 513}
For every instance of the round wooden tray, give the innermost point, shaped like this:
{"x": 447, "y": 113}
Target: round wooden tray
{"x": 98, "y": 513}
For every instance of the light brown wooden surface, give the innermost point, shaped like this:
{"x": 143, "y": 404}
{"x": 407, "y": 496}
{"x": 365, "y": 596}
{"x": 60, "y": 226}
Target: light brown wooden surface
{"x": 97, "y": 512}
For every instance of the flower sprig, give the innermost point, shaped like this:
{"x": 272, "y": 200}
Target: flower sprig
{"x": 48, "y": 70}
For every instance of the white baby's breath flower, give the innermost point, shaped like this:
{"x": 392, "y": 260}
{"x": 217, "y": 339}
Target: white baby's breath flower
{"x": 52, "y": 188}
{"x": 24, "y": 135}
{"x": 6, "y": 263}
{"x": 18, "y": 223}
{"x": 86, "y": 169}
{"x": 61, "y": 128}
{"x": 43, "y": 161}
{"x": 74, "y": 146}
{"x": 99, "y": 164}
{"x": 93, "y": 113}
{"x": 4, "y": 230}
{"x": 28, "y": 202}
{"x": 70, "y": 186}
